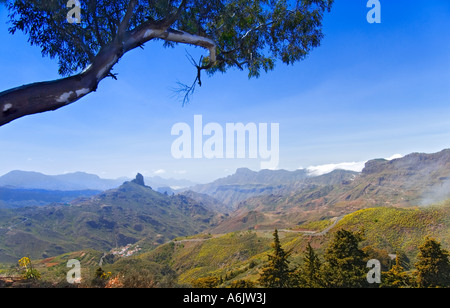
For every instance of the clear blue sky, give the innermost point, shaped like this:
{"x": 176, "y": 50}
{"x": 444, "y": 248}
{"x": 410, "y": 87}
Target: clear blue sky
{"x": 369, "y": 91}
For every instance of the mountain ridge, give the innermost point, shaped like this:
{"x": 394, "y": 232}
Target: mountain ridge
{"x": 135, "y": 213}
{"x": 413, "y": 180}
{"x": 78, "y": 181}
{"x": 125, "y": 215}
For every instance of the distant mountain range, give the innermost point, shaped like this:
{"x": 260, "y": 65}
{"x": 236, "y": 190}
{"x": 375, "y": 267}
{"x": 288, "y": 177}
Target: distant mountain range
{"x": 414, "y": 180}
{"x": 63, "y": 182}
{"x": 27, "y": 188}
{"x": 20, "y": 197}
{"x": 245, "y": 183}
{"x": 133, "y": 212}
{"x": 125, "y": 215}
{"x": 78, "y": 181}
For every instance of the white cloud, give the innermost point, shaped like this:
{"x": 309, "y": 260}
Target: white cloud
{"x": 160, "y": 171}
{"x": 353, "y": 166}
{"x": 324, "y": 169}
{"x": 395, "y": 156}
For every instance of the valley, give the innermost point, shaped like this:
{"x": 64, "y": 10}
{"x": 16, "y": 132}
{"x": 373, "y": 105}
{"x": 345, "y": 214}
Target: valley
{"x": 224, "y": 228}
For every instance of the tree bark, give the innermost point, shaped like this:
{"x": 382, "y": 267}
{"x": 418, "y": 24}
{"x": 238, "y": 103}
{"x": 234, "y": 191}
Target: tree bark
{"x": 51, "y": 95}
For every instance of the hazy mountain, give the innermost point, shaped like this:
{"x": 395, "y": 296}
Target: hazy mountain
{"x": 173, "y": 184}
{"x": 208, "y": 201}
{"x": 114, "y": 218}
{"x": 64, "y": 182}
{"x": 415, "y": 180}
{"x": 20, "y": 197}
{"x": 262, "y": 200}
{"x": 245, "y": 176}
{"x": 79, "y": 181}
{"x": 246, "y": 184}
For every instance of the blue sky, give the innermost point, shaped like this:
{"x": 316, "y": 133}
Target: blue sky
{"x": 369, "y": 91}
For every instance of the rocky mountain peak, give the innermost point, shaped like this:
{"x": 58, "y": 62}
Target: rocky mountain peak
{"x": 139, "y": 180}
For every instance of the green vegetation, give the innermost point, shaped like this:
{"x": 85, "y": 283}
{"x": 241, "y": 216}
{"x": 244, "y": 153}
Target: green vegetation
{"x": 342, "y": 264}
{"x": 28, "y": 271}
{"x": 176, "y": 242}
{"x": 396, "y": 277}
{"x": 433, "y": 265}
{"x": 276, "y": 274}
{"x": 402, "y": 230}
{"x": 308, "y": 275}
{"x": 129, "y": 214}
{"x": 345, "y": 261}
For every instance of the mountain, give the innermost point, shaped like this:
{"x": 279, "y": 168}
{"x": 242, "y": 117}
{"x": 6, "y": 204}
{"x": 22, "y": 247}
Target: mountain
{"x": 208, "y": 201}
{"x": 128, "y": 214}
{"x": 193, "y": 235}
{"x": 416, "y": 179}
{"x": 64, "y": 182}
{"x": 134, "y": 213}
{"x": 17, "y": 197}
{"x": 241, "y": 255}
{"x": 26, "y": 188}
{"x": 79, "y": 181}
{"x": 173, "y": 184}
{"x": 246, "y": 183}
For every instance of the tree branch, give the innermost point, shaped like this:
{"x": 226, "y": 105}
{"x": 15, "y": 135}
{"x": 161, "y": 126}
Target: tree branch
{"x": 51, "y": 95}
{"x": 123, "y": 26}
{"x": 168, "y": 22}
{"x": 177, "y": 36}
{"x": 46, "y": 96}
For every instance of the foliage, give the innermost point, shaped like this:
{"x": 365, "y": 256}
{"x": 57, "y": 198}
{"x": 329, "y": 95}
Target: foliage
{"x": 206, "y": 282}
{"x": 238, "y": 259}
{"x": 309, "y": 274}
{"x": 277, "y": 274}
{"x": 401, "y": 230}
{"x": 345, "y": 264}
{"x": 135, "y": 212}
{"x": 396, "y": 277}
{"x": 243, "y": 284}
{"x": 433, "y": 265}
{"x": 248, "y": 34}
{"x": 29, "y": 272}
{"x": 101, "y": 278}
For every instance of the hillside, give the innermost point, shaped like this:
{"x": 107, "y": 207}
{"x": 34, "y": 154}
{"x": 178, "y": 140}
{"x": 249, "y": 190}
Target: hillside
{"x": 241, "y": 255}
{"x": 416, "y": 179}
{"x": 126, "y": 215}
{"x": 245, "y": 184}
{"x": 192, "y": 234}
{"x": 20, "y": 197}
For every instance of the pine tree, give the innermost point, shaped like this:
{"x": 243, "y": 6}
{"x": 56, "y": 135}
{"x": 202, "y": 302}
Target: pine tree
{"x": 309, "y": 273}
{"x": 433, "y": 265}
{"x": 345, "y": 265}
{"x": 277, "y": 274}
{"x": 396, "y": 277}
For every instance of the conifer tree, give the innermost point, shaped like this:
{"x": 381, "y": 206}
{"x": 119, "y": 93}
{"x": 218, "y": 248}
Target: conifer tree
{"x": 277, "y": 274}
{"x": 433, "y": 265}
{"x": 396, "y": 277}
{"x": 345, "y": 265}
{"x": 309, "y": 274}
